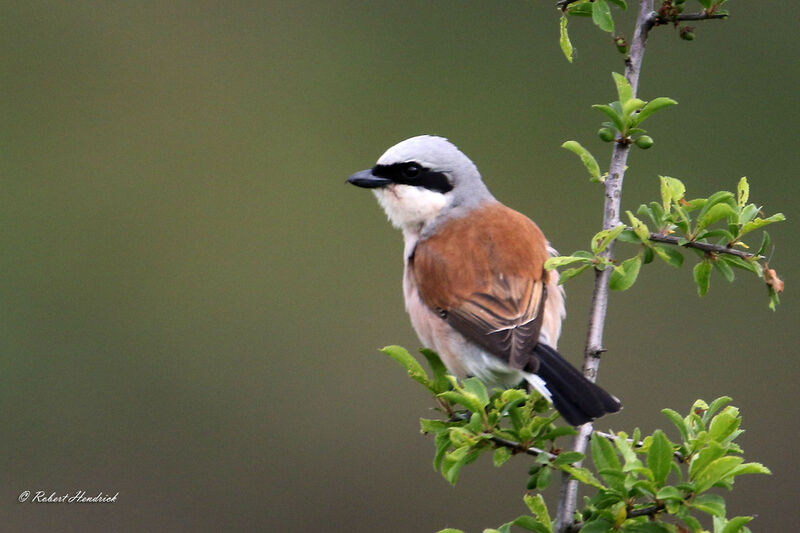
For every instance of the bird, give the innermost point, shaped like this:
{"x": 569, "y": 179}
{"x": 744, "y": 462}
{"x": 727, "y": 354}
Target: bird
{"x": 474, "y": 282}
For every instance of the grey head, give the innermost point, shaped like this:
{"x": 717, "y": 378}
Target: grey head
{"x": 422, "y": 181}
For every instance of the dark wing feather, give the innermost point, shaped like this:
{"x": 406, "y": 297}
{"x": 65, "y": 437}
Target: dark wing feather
{"x": 506, "y": 322}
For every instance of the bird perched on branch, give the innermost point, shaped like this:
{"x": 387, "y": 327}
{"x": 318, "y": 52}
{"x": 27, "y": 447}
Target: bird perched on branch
{"x": 475, "y": 285}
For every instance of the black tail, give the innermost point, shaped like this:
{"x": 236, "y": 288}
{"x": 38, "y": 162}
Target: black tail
{"x": 575, "y": 397}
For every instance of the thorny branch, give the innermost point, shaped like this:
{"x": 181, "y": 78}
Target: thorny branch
{"x": 704, "y": 246}
{"x": 646, "y": 19}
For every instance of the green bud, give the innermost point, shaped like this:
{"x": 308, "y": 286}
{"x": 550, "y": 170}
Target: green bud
{"x": 644, "y": 142}
{"x": 687, "y": 33}
{"x": 606, "y": 134}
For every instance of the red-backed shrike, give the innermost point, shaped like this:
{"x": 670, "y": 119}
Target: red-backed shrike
{"x": 475, "y": 284}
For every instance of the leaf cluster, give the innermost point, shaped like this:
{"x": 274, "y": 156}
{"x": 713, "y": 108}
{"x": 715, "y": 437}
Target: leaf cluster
{"x": 668, "y": 12}
{"x": 645, "y": 484}
{"x": 626, "y": 116}
{"x": 659, "y": 485}
{"x": 714, "y": 228}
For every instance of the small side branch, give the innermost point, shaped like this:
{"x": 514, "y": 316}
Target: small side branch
{"x": 704, "y": 246}
{"x": 658, "y": 20}
{"x": 519, "y": 448}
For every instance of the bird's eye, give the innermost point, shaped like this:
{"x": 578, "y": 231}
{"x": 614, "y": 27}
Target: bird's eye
{"x": 412, "y": 170}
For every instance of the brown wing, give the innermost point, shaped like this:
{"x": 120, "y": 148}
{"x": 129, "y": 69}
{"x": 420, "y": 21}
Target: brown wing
{"x": 485, "y": 274}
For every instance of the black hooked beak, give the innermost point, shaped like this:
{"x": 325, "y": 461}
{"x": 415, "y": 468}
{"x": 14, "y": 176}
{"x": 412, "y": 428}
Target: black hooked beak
{"x": 368, "y": 180}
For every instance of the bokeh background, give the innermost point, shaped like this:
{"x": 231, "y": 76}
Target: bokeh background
{"x": 192, "y": 298}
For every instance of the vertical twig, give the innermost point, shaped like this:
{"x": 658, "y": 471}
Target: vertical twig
{"x": 613, "y": 192}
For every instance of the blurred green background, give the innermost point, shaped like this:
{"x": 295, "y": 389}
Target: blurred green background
{"x": 192, "y": 299}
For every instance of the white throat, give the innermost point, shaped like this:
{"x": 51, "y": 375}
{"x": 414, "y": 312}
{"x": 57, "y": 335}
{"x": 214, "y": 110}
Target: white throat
{"x": 409, "y": 208}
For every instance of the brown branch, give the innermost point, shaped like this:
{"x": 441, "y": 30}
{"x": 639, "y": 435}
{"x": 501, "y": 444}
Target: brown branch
{"x": 517, "y": 447}
{"x": 646, "y": 19}
{"x": 568, "y": 498}
{"x": 704, "y": 246}
{"x": 687, "y": 17}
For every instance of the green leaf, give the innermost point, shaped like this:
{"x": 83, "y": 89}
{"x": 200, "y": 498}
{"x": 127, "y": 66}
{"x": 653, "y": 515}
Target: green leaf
{"x": 584, "y": 475}
{"x": 602, "y": 239}
{"x": 610, "y": 112}
{"x": 428, "y": 425}
{"x": 476, "y": 387}
{"x": 415, "y": 370}
{"x": 566, "y": 44}
{"x": 724, "y": 269}
{"x": 562, "y": 260}
{"x": 670, "y": 255}
{"x": 624, "y": 90}
{"x": 470, "y": 401}
{"x": 742, "y": 192}
{"x": 716, "y": 405}
{"x": 765, "y": 242}
{"x": 601, "y": 15}
{"x": 442, "y": 443}
{"x": 543, "y": 481}
{"x": 738, "y": 262}
{"x": 580, "y": 10}
{"x": 640, "y": 228}
{"x": 528, "y": 523}
{"x": 596, "y": 526}
{"x": 716, "y": 212}
{"x": 440, "y": 382}
{"x": 750, "y": 468}
{"x": 605, "y": 459}
{"x": 571, "y": 273}
{"x": 672, "y": 190}
{"x": 624, "y": 275}
{"x": 734, "y": 525}
{"x": 567, "y": 458}
{"x": 449, "y": 530}
{"x": 716, "y": 471}
{"x": 760, "y": 223}
{"x": 659, "y": 457}
{"x": 724, "y": 197}
{"x": 713, "y": 504}
{"x": 452, "y": 463}
{"x": 656, "y": 104}
{"x": 669, "y": 493}
{"x": 501, "y": 455}
{"x": 714, "y": 233}
{"x": 702, "y": 276}
{"x": 538, "y": 509}
{"x": 586, "y": 157}
{"x": 747, "y": 213}
{"x": 634, "y": 104}
{"x": 724, "y": 424}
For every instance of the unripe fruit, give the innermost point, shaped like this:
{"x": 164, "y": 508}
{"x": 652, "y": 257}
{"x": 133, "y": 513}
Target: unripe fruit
{"x": 644, "y": 142}
{"x": 606, "y": 134}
